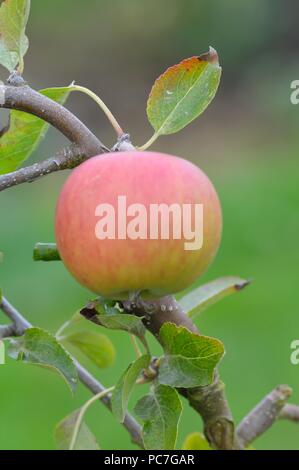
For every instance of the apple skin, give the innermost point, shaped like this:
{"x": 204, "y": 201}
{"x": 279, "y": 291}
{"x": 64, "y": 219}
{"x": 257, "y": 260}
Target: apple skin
{"x": 119, "y": 268}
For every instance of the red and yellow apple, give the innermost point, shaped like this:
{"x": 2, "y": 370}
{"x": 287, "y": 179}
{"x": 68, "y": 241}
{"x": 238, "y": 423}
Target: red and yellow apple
{"x": 116, "y": 265}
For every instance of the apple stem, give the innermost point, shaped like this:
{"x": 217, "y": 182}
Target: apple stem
{"x": 104, "y": 108}
{"x": 149, "y": 142}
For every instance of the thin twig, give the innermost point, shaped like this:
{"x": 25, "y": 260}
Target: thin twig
{"x": 6, "y": 331}
{"x": 263, "y": 415}
{"x": 66, "y": 159}
{"x": 290, "y": 412}
{"x": 85, "y": 144}
{"x": 20, "y": 324}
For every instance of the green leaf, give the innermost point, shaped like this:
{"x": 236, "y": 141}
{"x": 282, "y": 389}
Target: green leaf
{"x": 196, "y": 441}
{"x": 125, "y": 385}
{"x": 64, "y": 432}
{"x": 208, "y": 294}
{"x": 190, "y": 358}
{"x": 183, "y": 92}
{"x": 107, "y": 306}
{"x": 97, "y": 347}
{"x": 123, "y": 321}
{"x": 24, "y": 133}
{"x": 39, "y": 347}
{"x": 13, "y": 41}
{"x": 108, "y": 315}
{"x": 160, "y": 411}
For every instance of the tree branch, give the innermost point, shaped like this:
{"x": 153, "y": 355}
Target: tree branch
{"x": 211, "y": 403}
{"x": 66, "y": 159}
{"x": 24, "y": 98}
{"x": 6, "y": 331}
{"x": 157, "y": 312}
{"x": 263, "y": 415}
{"x": 85, "y": 144}
{"x": 19, "y": 322}
{"x": 18, "y": 327}
{"x": 290, "y": 412}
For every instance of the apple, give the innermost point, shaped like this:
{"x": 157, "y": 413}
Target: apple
{"x": 137, "y": 222}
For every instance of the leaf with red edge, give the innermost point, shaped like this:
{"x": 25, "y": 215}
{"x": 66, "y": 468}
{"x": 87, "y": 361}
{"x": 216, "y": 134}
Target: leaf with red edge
{"x": 183, "y": 92}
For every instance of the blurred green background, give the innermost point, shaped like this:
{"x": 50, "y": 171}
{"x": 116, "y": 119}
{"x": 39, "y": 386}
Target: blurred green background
{"x": 247, "y": 142}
